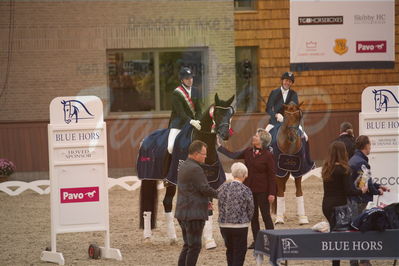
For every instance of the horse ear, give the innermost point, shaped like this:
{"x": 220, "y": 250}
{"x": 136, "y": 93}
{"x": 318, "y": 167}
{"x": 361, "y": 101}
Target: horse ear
{"x": 229, "y": 101}
{"x": 300, "y": 104}
{"x": 216, "y": 99}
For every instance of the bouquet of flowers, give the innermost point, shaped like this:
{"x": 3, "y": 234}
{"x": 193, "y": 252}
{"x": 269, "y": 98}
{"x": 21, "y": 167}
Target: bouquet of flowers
{"x": 6, "y": 167}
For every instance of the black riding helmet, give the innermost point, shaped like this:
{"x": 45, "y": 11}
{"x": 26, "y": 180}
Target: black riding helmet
{"x": 288, "y": 75}
{"x": 185, "y": 72}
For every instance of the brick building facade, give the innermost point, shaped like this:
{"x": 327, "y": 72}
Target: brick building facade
{"x": 62, "y": 48}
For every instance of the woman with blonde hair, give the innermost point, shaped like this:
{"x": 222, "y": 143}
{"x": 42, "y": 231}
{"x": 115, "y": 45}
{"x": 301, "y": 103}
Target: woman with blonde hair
{"x": 337, "y": 182}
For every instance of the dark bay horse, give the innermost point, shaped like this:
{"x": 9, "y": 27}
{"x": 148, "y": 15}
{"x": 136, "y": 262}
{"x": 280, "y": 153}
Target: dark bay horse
{"x": 291, "y": 154}
{"x": 214, "y": 121}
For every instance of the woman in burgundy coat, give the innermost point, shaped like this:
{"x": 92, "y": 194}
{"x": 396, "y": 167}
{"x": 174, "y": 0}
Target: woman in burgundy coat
{"x": 261, "y": 177}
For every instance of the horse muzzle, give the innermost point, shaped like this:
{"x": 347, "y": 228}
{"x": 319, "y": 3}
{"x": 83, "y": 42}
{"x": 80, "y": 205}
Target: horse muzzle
{"x": 224, "y": 133}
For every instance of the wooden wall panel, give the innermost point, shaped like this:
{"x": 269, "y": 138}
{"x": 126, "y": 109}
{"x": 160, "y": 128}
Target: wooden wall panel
{"x": 25, "y": 143}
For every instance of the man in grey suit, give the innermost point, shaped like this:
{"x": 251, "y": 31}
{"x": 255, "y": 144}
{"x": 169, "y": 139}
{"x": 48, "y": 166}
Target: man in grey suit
{"x": 192, "y": 202}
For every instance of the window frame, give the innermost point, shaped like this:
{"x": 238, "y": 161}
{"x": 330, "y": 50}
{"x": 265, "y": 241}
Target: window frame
{"x": 253, "y": 7}
{"x": 157, "y": 93}
{"x": 255, "y": 76}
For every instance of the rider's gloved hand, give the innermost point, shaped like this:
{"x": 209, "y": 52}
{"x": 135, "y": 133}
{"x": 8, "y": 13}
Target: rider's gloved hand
{"x": 279, "y": 117}
{"x": 196, "y": 124}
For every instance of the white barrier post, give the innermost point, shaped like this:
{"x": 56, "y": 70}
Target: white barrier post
{"x": 379, "y": 119}
{"x": 78, "y": 172}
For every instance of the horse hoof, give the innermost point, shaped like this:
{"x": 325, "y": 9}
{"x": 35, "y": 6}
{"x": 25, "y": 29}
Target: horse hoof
{"x": 173, "y": 241}
{"x": 303, "y": 220}
{"x": 279, "y": 220}
{"x": 210, "y": 244}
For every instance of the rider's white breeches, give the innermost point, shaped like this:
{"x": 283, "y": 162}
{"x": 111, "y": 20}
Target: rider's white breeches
{"x": 171, "y": 138}
{"x": 269, "y": 127}
{"x": 304, "y": 133}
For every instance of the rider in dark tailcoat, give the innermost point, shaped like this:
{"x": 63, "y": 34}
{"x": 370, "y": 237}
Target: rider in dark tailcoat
{"x": 186, "y": 106}
{"x": 282, "y": 95}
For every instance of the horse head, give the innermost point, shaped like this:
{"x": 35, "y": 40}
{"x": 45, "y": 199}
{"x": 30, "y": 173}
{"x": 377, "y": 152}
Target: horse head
{"x": 292, "y": 120}
{"x": 379, "y": 100}
{"x": 222, "y": 114}
{"x": 67, "y": 111}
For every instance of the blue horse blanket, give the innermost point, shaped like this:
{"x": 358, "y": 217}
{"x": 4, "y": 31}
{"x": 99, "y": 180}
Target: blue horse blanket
{"x": 214, "y": 173}
{"x": 153, "y": 153}
{"x": 297, "y": 164}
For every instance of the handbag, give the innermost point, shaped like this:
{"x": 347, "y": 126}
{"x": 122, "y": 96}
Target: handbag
{"x": 342, "y": 217}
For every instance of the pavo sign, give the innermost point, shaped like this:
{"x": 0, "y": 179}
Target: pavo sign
{"x": 336, "y": 34}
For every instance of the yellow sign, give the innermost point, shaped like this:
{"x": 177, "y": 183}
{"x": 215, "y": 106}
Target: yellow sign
{"x": 340, "y": 46}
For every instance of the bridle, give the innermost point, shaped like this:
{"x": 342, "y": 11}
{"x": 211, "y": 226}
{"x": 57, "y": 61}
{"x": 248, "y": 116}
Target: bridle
{"x": 224, "y": 123}
{"x": 295, "y": 128}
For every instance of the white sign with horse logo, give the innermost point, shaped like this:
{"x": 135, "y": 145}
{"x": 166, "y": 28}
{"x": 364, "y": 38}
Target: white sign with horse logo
{"x": 78, "y": 171}
{"x": 379, "y": 119}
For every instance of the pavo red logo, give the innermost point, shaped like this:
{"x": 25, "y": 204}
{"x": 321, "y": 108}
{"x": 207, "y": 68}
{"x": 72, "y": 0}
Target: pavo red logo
{"x": 371, "y": 46}
{"x": 79, "y": 194}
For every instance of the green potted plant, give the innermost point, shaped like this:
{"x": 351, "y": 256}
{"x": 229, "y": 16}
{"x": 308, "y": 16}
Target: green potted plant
{"x": 7, "y": 168}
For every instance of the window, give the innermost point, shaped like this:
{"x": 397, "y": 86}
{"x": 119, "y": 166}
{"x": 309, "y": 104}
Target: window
{"x": 244, "y": 4}
{"x": 247, "y": 79}
{"x": 143, "y": 80}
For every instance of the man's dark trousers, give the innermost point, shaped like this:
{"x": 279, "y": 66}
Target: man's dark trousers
{"x": 192, "y": 234}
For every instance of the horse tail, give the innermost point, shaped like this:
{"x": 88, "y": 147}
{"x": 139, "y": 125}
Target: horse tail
{"x": 148, "y": 201}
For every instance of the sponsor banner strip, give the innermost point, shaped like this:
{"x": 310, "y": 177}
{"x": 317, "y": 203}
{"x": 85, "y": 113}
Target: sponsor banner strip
{"x": 342, "y": 65}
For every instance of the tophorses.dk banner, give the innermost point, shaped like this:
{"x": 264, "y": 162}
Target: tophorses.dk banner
{"x": 337, "y": 34}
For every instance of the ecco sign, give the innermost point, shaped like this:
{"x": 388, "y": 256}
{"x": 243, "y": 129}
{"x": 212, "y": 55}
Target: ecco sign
{"x": 379, "y": 120}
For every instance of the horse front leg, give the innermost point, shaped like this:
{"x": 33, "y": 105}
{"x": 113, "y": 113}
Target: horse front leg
{"x": 300, "y": 205}
{"x": 210, "y": 242}
{"x": 168, "y": 205}
{"x": 280, "y": 208}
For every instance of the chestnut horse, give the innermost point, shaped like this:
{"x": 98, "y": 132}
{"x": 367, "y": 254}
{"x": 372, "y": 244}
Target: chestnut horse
{"x": 291, "y": 154}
